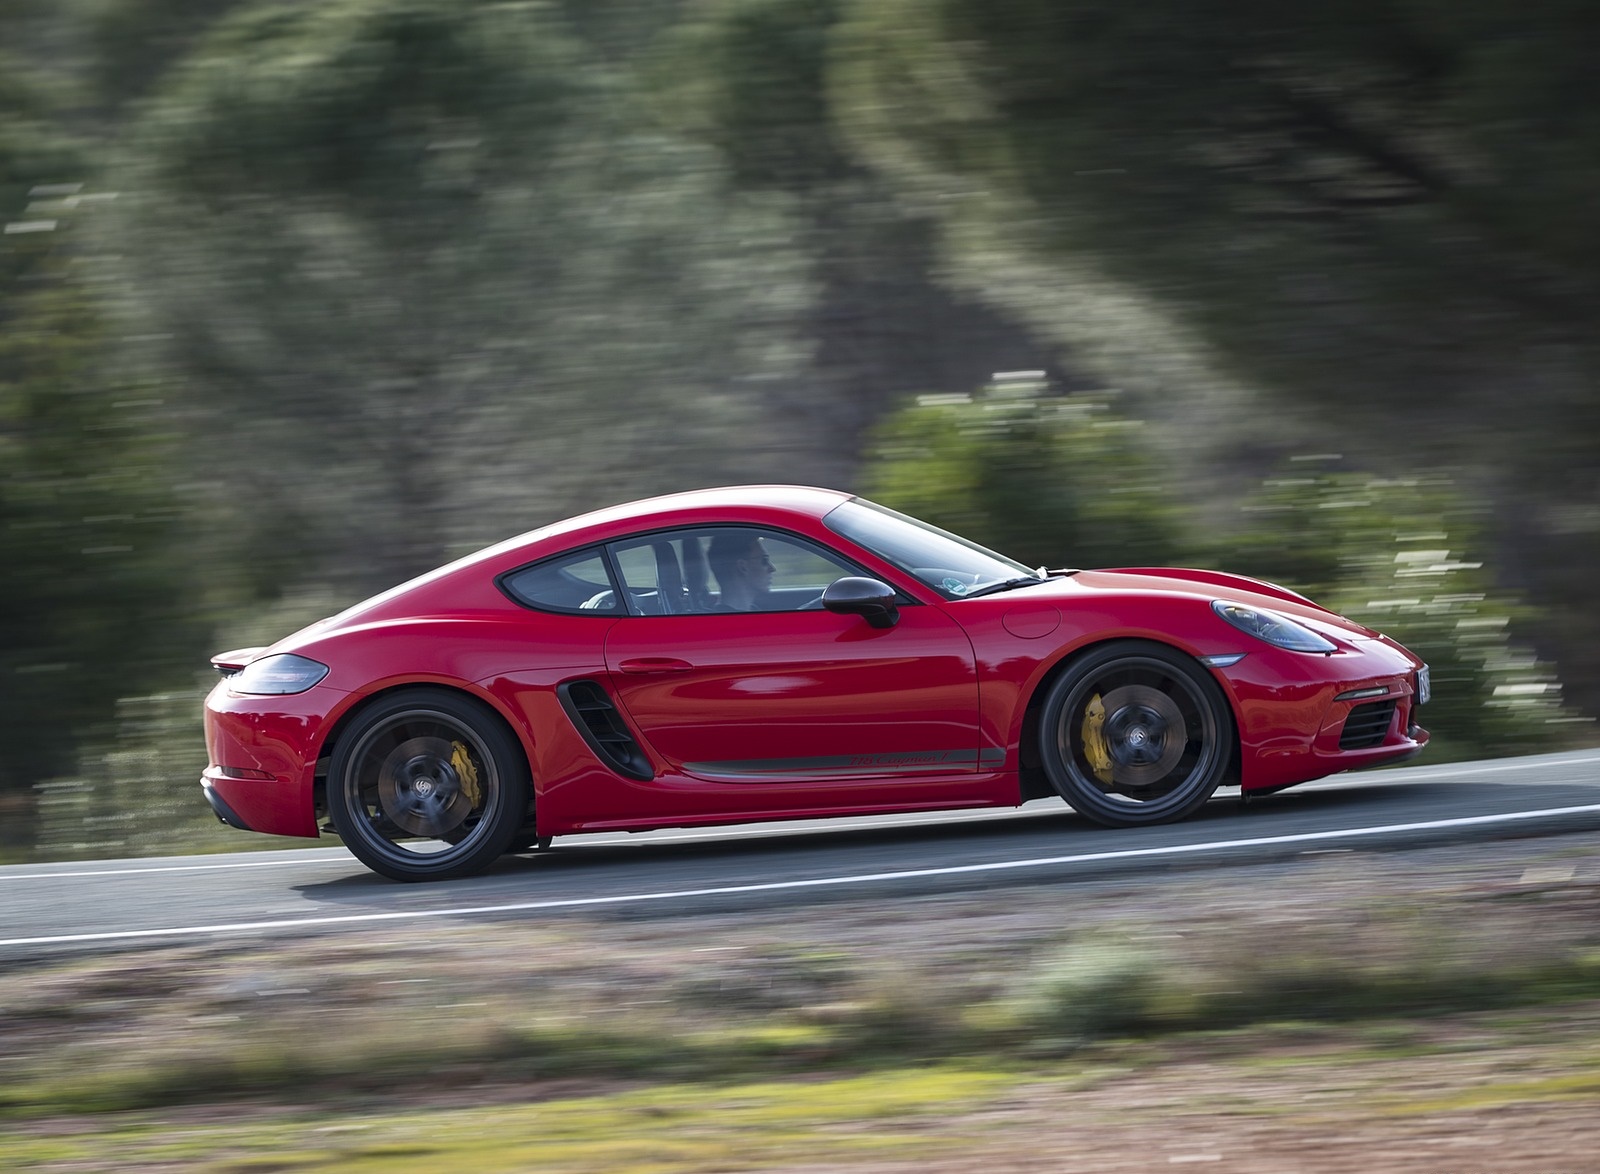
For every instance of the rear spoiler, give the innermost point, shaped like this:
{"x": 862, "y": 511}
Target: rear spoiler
{"x": 229, "y": 663}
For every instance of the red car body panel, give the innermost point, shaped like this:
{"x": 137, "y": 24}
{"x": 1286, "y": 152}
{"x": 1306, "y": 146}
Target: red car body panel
{"x": 786, "y": 714}
{"x": 800, "y": 686}
{"x": 263, "y": 762}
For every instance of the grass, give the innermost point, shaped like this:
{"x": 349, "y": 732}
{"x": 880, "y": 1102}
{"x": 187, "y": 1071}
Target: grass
{"x": 675, "y": 1127}
{"x": 1583, "y": 1086}
{"x": 903, "y": 1115}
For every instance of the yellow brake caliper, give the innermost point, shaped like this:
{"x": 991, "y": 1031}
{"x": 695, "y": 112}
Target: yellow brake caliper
{"x": 461, "y": 761}
{"x": 1094, "y": 741}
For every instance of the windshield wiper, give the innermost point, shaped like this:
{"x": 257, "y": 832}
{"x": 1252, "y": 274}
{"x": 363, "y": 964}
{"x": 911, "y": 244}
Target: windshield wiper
{"x": 1020, "y": 581}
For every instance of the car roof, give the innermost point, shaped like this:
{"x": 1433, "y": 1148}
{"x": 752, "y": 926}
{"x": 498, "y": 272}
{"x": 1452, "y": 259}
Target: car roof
{"x": 801, "y": 499}
{"x": 742, "y": 503}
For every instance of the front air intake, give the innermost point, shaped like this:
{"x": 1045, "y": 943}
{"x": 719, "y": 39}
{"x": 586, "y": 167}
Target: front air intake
{"x": 1367, "y": 725}
{"x": 597, "y": 719}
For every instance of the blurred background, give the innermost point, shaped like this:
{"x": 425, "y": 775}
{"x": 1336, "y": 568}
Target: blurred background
{"x": 300, "y": 298}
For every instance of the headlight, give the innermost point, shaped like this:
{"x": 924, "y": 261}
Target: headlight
{"x": 1277, "y": 630}
{"x": 283, "y": 673}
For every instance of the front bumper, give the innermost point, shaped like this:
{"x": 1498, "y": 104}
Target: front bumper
{"x": 1303, "y": 716}
{"x": 263, "y": 757}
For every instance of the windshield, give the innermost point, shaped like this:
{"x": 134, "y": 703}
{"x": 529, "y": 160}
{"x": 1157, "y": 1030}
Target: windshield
{"x": 944, "y": 561}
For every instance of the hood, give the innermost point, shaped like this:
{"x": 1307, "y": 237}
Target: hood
{"x": 1208, "y": 585}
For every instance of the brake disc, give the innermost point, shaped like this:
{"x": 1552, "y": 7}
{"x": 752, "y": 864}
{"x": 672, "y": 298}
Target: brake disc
{"x": 420, "y": 788}
{"x": 1145, "y": 735}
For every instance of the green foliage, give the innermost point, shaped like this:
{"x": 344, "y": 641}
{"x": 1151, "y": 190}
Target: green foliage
{"x": 409, "y": 275}
{"x": 135, "y": 787}
{"x": 752, "y": 79}
{"x": 39, "y": 162}
{"x": 1108, "y": 984}
{"x": 1368, "y": 221}
{"x": 136, "y": 41}
{"x": 1400, "y": 556}
{"x": 94, "y": 598}
{"x": 432, "y": 258}
{"x": 1300, "y": 185}
{"x": 395, "y": 106}
{"x": 1049, "y": 480}
{"x": 750, "y": 75}
{"x": 100, "y": 1036}
{"x": 1055, "y": 480}
{"x": 94, "y": 595}
{"x": 1095, "y": 987}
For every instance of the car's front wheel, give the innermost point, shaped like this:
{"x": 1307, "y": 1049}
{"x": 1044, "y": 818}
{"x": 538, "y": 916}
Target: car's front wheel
{"x": 1135, "y": 733}
{"x": 427, "y": 784}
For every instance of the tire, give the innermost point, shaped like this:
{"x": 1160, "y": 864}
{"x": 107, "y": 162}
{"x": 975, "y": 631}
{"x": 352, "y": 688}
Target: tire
{"x": 427, "y": 784}
{"x": 1158, "y": 746}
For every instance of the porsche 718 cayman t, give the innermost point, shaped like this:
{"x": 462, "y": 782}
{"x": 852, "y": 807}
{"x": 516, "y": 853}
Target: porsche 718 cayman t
{"x": 779, "y": 652}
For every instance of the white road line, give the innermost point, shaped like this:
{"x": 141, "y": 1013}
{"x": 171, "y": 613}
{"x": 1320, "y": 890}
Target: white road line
{"x": 812, "y": 883}
{"x": 1447, "y": 770}
{"x": 70, "y": 875}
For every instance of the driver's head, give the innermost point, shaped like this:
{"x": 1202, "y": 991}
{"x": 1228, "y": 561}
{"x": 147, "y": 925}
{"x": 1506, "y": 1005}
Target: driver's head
{"x": 743, "y": 570}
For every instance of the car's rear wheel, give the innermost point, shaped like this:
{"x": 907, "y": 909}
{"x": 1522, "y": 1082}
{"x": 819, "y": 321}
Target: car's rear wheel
{"x": 1135, "y": 733}
{"x": 427, "y": 784}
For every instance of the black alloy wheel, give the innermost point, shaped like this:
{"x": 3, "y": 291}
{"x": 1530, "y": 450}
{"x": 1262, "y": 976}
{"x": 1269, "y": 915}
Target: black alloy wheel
{"x": 427, "y": 784}
{"x": 1135, "y": 733}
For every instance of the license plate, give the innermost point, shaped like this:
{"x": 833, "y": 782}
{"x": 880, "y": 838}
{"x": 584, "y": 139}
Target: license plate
{"x": 1424, "y": 686}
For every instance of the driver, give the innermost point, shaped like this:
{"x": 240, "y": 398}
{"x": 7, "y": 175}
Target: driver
{"x": 743, "y": 571}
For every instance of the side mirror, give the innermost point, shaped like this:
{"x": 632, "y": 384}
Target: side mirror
{"x": 871, "y": 599}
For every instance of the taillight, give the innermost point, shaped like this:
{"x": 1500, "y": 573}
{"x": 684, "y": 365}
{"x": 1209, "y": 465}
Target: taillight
{"x": 283, "y": 673}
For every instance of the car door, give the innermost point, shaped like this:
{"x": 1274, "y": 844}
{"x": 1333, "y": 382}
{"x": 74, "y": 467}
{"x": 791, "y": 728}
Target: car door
{"x": 785, "y": 693}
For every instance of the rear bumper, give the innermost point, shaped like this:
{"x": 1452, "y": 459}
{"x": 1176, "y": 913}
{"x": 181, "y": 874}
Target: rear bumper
{"x": 263, "y": 758}
{"x": 220, "y": 808}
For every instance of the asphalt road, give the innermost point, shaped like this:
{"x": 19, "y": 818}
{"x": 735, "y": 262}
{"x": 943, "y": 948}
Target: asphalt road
{"x": 111, "y": 903}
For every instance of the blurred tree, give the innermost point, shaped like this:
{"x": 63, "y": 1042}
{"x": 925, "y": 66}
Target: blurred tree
{"x": 410, "y": 274}
{"x": 134, "y": 792}
{"x": 39, "y": 161}
{"x": 429, "y": 264}
{"x": 134, "y": 42}
{"x": 1050, "y": 480}
{"x": 95, "y": 597}
{"x": 1372, "y": 184}
{"x": 84, "y": 520}
{"x": 1271, "y": 223}
{"x": 1395, "y": 555}
{"x": 750, "y": 78}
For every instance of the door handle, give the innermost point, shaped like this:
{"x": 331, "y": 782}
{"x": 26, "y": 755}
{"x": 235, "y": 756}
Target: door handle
{"x": 655, "y": 664}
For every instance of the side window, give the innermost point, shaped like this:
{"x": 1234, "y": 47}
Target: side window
{"x": 724, "y": 569}
{"x": 653, "y": 575}
{"x": 576, "y": 582}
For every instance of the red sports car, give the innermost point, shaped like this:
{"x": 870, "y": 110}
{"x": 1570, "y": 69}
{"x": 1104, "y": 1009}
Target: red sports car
{"x": 778, "y": 652}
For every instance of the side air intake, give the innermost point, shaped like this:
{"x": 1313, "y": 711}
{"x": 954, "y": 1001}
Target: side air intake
{"x": 597, "y": 719}
{"x": 1367, "y": 725}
